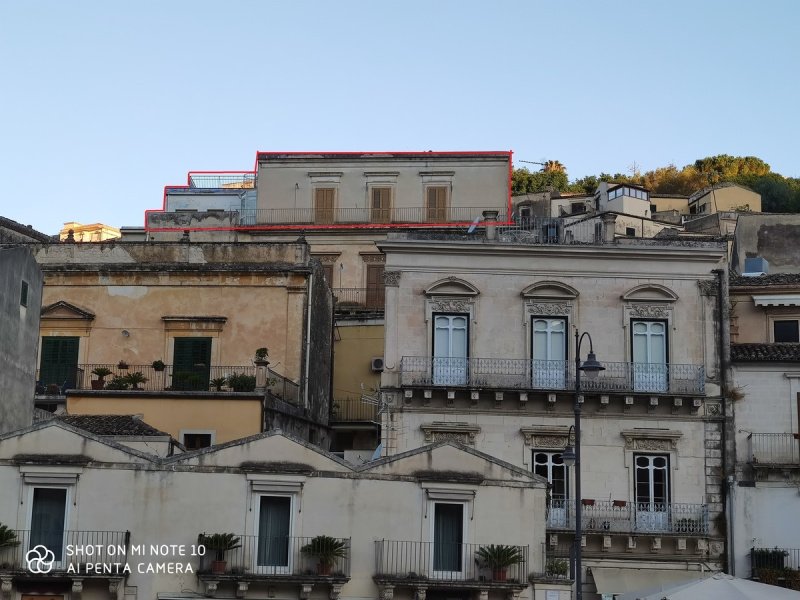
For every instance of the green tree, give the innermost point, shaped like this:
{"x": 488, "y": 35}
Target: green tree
{"x": 525, "y": 182}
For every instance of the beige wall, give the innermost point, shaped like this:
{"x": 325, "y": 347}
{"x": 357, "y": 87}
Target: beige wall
{"x": 354, "y": 348}
{"x": 754, "y": 324}
{"x": 176, "y": 415}
{"x": 663, "y": 204}
{"x": 728, "y": 198}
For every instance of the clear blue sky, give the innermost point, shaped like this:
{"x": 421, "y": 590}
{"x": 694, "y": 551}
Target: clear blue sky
{"x": 102, "y": 103}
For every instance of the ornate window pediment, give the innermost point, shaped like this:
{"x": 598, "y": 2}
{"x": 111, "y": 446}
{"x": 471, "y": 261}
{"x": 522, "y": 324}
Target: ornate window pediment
{"x": 660, "y": 440}
{"x": 452, "y": 286}
{"x": 650, "y": 292}
{"x": 550, "y": 290}
{"x": 65, "y": 310}
{"x": 440, "y": 431}
{"x": 544, "y": 436}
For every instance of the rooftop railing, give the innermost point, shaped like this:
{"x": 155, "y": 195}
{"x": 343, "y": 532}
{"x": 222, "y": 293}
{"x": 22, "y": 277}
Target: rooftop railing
{"x": 630, "y": 517}
{"x": 552, "y": 230}
{"x": 775, "y": 449}
{"x": 353, "y": 409}
{"x": 776, "y": 566}
{"x": 360, "y": 215}
{"x": 513, "y": 373}
{"x": 222, "y": 180}
{"x": 359, "y": 299}
{"x": 69, "y": 549}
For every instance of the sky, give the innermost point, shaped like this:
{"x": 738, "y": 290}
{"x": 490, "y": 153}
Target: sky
{"x": 103, "y": 103}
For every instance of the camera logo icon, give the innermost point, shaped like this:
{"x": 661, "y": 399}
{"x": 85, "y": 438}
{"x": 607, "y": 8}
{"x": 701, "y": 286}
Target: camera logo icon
{"x": 40, "y": 559}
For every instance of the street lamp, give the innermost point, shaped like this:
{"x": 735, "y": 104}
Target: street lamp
{"x": 572, "y": 457}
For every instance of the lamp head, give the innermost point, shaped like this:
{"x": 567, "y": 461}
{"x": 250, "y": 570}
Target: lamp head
{"x": 568, "y": 456}
{"x": 591, "y": 367}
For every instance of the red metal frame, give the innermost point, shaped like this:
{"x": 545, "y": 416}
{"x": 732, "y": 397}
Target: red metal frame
{"x": 306, "y": 226}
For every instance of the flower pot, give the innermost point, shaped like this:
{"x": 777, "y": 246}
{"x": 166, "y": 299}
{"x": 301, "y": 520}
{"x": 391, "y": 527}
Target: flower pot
{"x": 588, "y": 501}
{"x": 620, "y": 503}
{"x": 98, "y": 384}
{"x": 499, "y": 574}
{"x": 324, "y": 568}
{"x": 218, "y": 567}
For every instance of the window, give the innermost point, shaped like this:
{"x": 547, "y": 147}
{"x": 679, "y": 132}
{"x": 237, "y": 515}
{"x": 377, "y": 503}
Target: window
{"x": 436, "y": 204}
{"x": 450, "y": 349}
{"x": 23, "y": 294}
{"x": 381, "y": 205}
{"x": 274, "y": 530}
{"x": 651, "y": 488}
{"x": 630, "y": 231}
{"x": 195, "y": 441}
{"x": 48, "y": 519}
{"x": 649, "y": 353}
{"x": 551, "y": 466}
{"x": 653, "y": 208}
{"x": 59, "y": 362}
{"x": 327, "y": 271}
{"x": 577, "y": 207}
{"x": 693, "y": 209}
{"x": 448, "y": 539}
{"x": 191, "y": 363}
{"x": 549, "y": 353}
{"x": 375, "y": 286}
{"x": 786, "y": 331}
{"x": 324, "y": 205}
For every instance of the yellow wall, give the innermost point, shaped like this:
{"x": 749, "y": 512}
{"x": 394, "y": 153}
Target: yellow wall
{"x": 664, "y": 204}
{"x": 354, "y": 348}
{"x": 242, "y": 416}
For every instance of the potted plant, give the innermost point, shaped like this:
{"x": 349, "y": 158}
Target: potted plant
{"x": 587, "y": 501}
{"x": 135, "y": 378}
{"x": 158, "y": 365}
{"x": 218, "y": 382}
{"x": 219, "y": 543}
{"x": 102, "y": 373}
{"x": 242, "y": 383}
{"x": 556, "y": 567}
{"x": 326, "y": 550}
{"x": 122, "y": 365}
{"x": 261, "y": 356}
{"x": 118, "y": 382}
{"x": 620, "y": 503}
{"x": 8, "y": 537}
{"x": 498, "y": 558}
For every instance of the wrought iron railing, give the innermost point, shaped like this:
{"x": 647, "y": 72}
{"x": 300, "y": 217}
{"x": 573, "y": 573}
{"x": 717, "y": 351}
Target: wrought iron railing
{"x": 64, "y": 550}
{"x": 774, "y": 448}
{"x": 555, "y": 563}
{"x": 443, "y": 561}
{"x": 283, "y": 388}
{"x": 222, "y": 180}
{"x": 629, "y": 517}
{"x": 361, "y": 215}
{"x": 775, "y": 558}
{"x": 359, "y": 299}
{"x": 552, "y": 230}
{"x": 353, "y": 409}
{"x": 261, "y": 555}
{"x": 513, "y": 373}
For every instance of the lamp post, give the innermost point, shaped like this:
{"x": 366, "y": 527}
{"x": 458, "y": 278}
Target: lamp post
{"x": 573, "y": 457}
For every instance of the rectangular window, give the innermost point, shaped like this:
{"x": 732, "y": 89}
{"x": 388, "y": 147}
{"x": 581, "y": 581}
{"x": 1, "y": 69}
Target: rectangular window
{"x": 191, "y": 363}
{"x": 195, "y": 441}
{"x": 376, "y": 289}
{"x": 48, "y": 518}
{"x": 448, "y": 539}
{"x": 274, "y": 531}
{"x": 381, "y": 205}
{"x": 59, "y": 361}
{"x": 549, "y": 353}
{"x": 651, "y": 487}
{"x": 649, "y": 353}
{"x": 630, "y": 231}
{"x": 327, "y": 271}
{"x": 577, "y": 207}
{"x": 551, "y": 466}
{"x": 324, "y": 205}
{"x": 786, "y": 331}
{"x": 23, "y": 294}
{"x": 450, "y": 349}
{"x": 436, "y": 204}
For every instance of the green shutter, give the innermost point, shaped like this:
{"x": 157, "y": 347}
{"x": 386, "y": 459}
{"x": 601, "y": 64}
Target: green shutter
{"x": 191, "y": 363}
{"x": 59, "y": 361}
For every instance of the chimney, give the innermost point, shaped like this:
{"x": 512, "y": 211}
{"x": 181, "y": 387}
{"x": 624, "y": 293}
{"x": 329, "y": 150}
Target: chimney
{"x": 490, "y": 218}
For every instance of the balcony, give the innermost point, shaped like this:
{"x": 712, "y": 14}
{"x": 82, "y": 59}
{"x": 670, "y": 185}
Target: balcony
{"x": 449, "y": 565}
{"x": 379, "y": 217}
{"x": 231, "y": 180}
{"x": 552, "y": 231}
{"x": 351, "y": 410}
{"x": 146, "y": 378}
{"x": 614, "y": 516}
{"x": 526, "y": 374}
{"x": 779, "y": 450}
{"x": 359, "y": 300}
{"x": 74, "y": 552}
{"x": 776, "y": 566}
{"x": 278, "y": 558}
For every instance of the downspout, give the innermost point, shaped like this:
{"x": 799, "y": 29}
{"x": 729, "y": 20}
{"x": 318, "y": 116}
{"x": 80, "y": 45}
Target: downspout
{"x": 723, "y": 301}
{"x": 308, "y": 338}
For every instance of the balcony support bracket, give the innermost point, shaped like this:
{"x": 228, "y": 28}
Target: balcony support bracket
{"x": 6, "y": 585}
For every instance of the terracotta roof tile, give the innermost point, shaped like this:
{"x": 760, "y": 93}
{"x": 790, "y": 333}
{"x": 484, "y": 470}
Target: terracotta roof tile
{"x": 765, "y": 352}
{"x": 112, "y": 425}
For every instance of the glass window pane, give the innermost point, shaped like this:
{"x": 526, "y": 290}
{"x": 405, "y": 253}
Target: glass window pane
{"x": 786, "y": 331}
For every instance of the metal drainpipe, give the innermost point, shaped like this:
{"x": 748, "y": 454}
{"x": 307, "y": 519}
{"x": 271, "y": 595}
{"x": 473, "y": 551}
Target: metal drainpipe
{"x": 724, "y": 343}
{"x": 308, "y": 337}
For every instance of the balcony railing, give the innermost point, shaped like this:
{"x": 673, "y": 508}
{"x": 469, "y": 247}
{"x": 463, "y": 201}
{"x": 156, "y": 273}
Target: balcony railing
{"x": 69, "y": 549}
{"x": 361, "y": 215}
{"x": 353, "y": 409}
{"x": 443, "y": 562}
{"x": 513, "y": 373}
{"x": 260, "y": 555}
{"x": 775, "y": 563}
{"x": 556, "y": 562}
{"x": 630, "y": 517}
{"x": 359, "y": 299}
{"x": 552, "y": 231}
{"x": 775, "y": 449}
{"x": 222, "y": 180}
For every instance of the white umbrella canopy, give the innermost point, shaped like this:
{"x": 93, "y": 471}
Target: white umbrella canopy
{"x": 716, "y": 587}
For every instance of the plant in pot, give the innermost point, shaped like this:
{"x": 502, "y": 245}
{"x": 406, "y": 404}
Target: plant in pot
{"x": 326, "y": 550}
{"x": 556, "y": 567}
{"x": 102, "y": 373}
{"x": 122, "y": 365}
{"x": 219, "y": 544}
{"x": 8, "y": 537}
{"x": 158, "y": 365}
{"x": 261, "y": 356}
{"x": 135, "y": 378}
{"x": 498, "y": 558}
{"x": 218, "y": 382}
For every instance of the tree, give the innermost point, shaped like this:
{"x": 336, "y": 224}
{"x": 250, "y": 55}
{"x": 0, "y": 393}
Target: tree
{"x": 525, "y": 182}
{"x": 724, "y": 167}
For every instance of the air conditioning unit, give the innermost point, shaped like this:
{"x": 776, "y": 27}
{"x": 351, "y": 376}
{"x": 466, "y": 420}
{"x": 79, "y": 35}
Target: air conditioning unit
{"x": 376, "y": 364}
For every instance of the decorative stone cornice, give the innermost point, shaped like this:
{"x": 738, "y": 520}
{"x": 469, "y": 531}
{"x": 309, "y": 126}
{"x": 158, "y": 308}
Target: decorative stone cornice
{"x": 439, "y": 431}
{"x": 391, "y": 278}
{"x": 327, "y": 259}
{"x": 539, "y": 308}
{"x": 651, "y": 439}
{"x": 543, "y": 436}
{"x": 450, "y": 305}
{"x": 372, "y": 259}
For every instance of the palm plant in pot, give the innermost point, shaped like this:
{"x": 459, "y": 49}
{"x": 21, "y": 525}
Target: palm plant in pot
{"x": 102, "y": 373}
{"x": 498, "y": 558}
{"x": 219, "y": 544}
{"x": 8, "y": 539}
{"x": 135, "y": 378}
{"x": 326, "y": 550}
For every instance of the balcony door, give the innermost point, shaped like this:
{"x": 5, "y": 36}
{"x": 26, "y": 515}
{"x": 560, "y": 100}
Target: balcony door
{"x": 59, "y": 362}
{"x": 450, "y": 349}
{"x": 47, "y": 521}
{"x": 436, "y": 204}
{"x": 381, "y": 205}
{"x": 551, "y": 466}
{"x": 324, "y": 205}
{"x": 191, "y": 368}
{"x": 376, "y": 289}
{"x": 650, "y": 370}
{"x": 274, "y": 531}
{"x": 448, "y": 540}
{"x": 652, "y": 492}
{"x": 549, "y": 352}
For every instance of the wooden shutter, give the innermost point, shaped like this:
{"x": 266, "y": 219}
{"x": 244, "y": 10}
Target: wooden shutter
{"x": 59, "y": 361}
{"x": 191, "y": 363}
{"x": 327, "y": 270}
{"x": 375, "y": 286}
{"x": 381, "y": 204}
{"x": 323, "y": 206}
{"x": 437, "y": 204}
